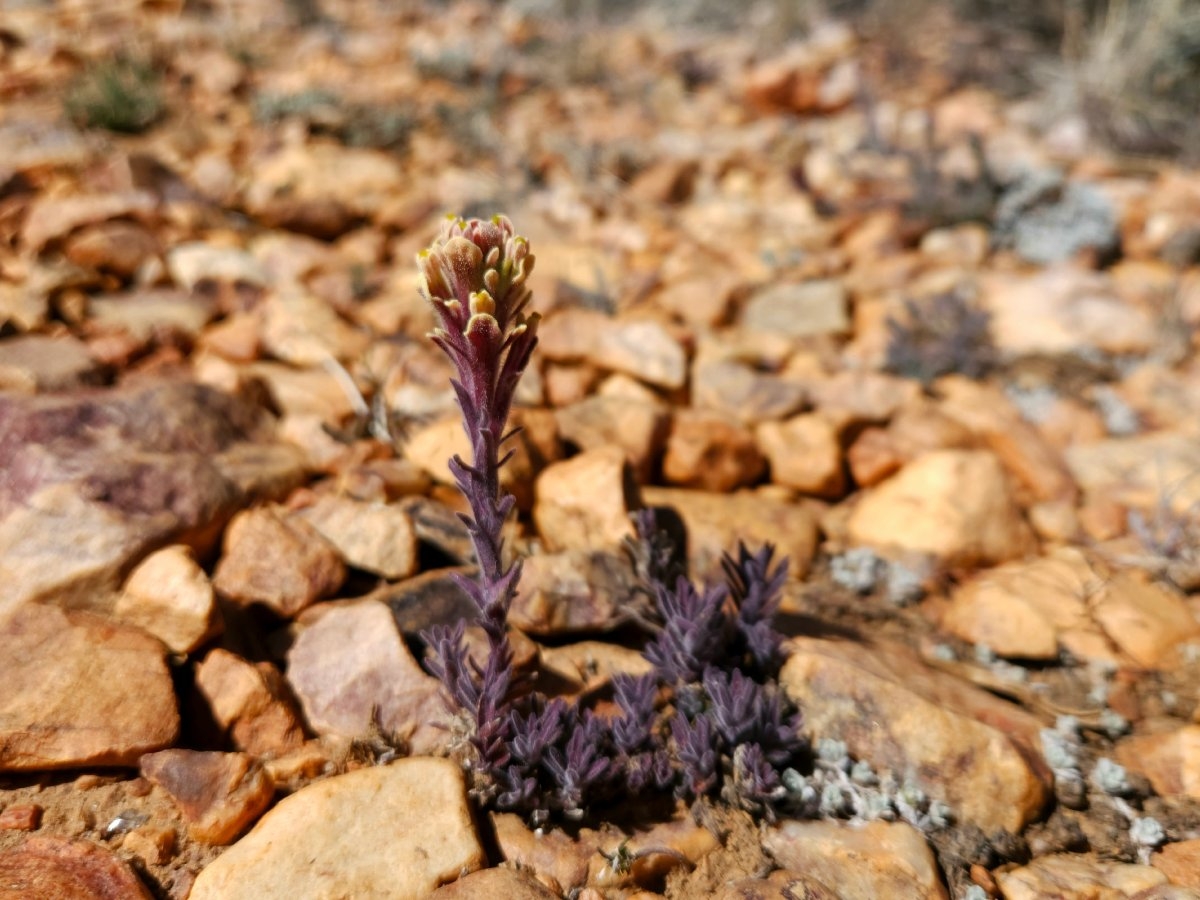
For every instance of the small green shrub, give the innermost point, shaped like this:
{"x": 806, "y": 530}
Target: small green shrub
{"x": 121, "y": 94}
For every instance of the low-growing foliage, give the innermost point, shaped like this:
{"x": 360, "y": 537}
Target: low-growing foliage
{"x": 123, "y": 94}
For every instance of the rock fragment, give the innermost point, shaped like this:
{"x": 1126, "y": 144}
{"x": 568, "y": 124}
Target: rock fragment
{"x": 219, "y": 794}
{"x": 51, "y": 868}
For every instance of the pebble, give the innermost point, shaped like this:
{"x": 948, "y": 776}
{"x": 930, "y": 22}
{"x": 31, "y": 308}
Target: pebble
{"x": 584, "y": 502}
{"x": 711, "y": 451}
{"x": 375, "y": 537}
{"x": 1077, "y": 877}
{"x": 805, "y": 454}
{"x": 250, "y": 703}
{"x": 1170, "y": 759}
{"x": 798, "y": 310}
{"x": 491, "y": 884}
{"x": 219, "y": 794}
{"x": 170, "y": 596}
{"x": 51, "y": 868}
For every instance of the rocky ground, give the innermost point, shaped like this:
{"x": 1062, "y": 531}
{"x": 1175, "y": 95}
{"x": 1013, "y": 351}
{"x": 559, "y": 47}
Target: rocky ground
{"x": 937, "y": 345}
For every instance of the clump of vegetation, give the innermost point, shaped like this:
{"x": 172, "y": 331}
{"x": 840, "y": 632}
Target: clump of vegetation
{"x": 940, "y": 335}
{"x": 708, "y": 720}
{"x": 123, "y": 94}
{"x": 324, "y": 112}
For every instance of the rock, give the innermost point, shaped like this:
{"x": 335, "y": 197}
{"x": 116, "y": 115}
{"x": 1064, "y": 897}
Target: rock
{"x": 192, "y": 263}
{"x": 374, "y": 537}
{"x": 557, "y": 858}
{"x": 743, "y": 393}
{"x": 571, "y": 591}
{"x": 50, "y": 218}
{"x": 1141, "y": 472}
{"x": 1047, "y": 220}
{"x": 781, "y": 884}
{"x": 31, "y": 363}
{"x": 1171, "y": 760}
{"x": 584, "y": 503}
{"x": 80, "y": 691}
{"x": 710, "y": 451}
{"x": 51, "y": 868}
{"x": 250, "y": 704}
{"x": 878, "y": 859}
{"x": 169, "y": 596}
{"x": 640, "y": 429}
{"x": 1077, "y": 877}
{"x": 1063, "y": 311}
{"x": 1142, "y": 618}
{"x": 716, "y": 522}
{"x": 489, "y": 884}
{"x": 303, "y": 330}
{"x": 278, "y": 561}
{"x": 145, "y": 314}
{"x": 298, "y": 392}
{"x": 120, "y": 248}
{"x": 954, "y": 504}
{"x": 350, "y": 664}
{"x": 588, "y": 666}
{"x": 862, "y": 397}
{"x": 805, "y": 454}
{"x": 1023, "y": 452}
{"x": 798, "y": 310}
{"x": 343, "y": 837}
{"x": 873, "y": 457}
{"x": 959, "y": 743}
{"x": 431, "y": 598}
{"x": 219, "y": 794}
{"x": 21, "y": 817}
{"x": 641, "y": 348}
{"x": 658, "y": 850}
{"x": 1180, "y": 862}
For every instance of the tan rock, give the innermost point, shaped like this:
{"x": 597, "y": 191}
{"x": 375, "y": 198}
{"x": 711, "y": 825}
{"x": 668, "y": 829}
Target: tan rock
{"x": 489, "y": 884}
{"x": 961, "y": 744}
{"x": 36, "y": 362}
{"x": 590, "y": 665}
{"x": 169, "y": 596}
{"x": 375, "y": 537}
{"x": 117, "y": 247}
{"x": 1077, "y": 877}
{"x": 715, "y": 523}
{"x": 1171, "y": 760}
{"x": 571, "y": 591}
{"x": 190, "y": 263}
{"x": 219, "y": 794}
{"x": 281, "y": 562}
{"x": 954, "y": 504}
{"x": 250, "y": 703}
{"x": 51, "y": 868}
{"x": 879, "y": 859}
{"x": 640, "y": 429}
{"x": 711, "y": 452}
{"x": 50, "y": 218}
{"x": 738, "y": 390}
{"x": 80, "y": 691}
{"x": 873, "y": 457}
{"x": 304, "y": 330}
{"x": 805, "y": 454}
{"x": 343, "y": 837}
{"x": 584, "y": 502}
{"x": 567, "y": 383}
{"x": 1143, "y": 618}
{"x": 782, "y": 884}
{"x": 153, "y": 844}
{"x": 21, "y": 817}
{"x": 1141, "y": 471}
{"x": 350, "y": 666}
{"x": 1180, "y": 862}
{"x": 147, "y": 314}
{"x": 798, "y": 310}
{"x": 559, "y": 860}
{"x": 862, "y": 397}
{"x": 309, "y": 391}
{"x": 638, "y": 347}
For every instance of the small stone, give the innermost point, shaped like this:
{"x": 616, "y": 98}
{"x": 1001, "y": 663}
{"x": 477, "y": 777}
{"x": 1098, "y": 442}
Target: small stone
{"x": 862, "y": 397}
{"x": 960, "y": 744}
{"x": 798, "y": 310}
{"x": 805, "y": 454}
{"x": 878, "y": 859}
{"x": 641, "y": 348}
{"x": 50, "y": 218}
{"x": 343, "y": 837}
{"x": 490, "y": 884}
{"x": 954, "y": 504}
{"x": 250, "y": 703}
{"x": 584, "y": 502}
{"x": 30, "y": 363}
{"x": 715, "y": 523}
{"x": 79, "y": 691}
{"x": 304, "y": 330}
{"x": 743, "y": 393}
{"x": 1180, "y": 862}
{"x": 280, "y": 562}
{"x": 590, "y": 665}
{"x": 374, "y": 537}
{"x": 1077, "y": 877}
{"x": 1171, "y": 760}
{"x": 571, "y": 591}
{"x": 21, "y": 817}
{"x": 710, "y": 451}
{"x": 149, "y": 314}
{"x": 169, "y": 596}
{"x": 554, "y": 856}
{"x": 350, "y": 666}
{"x": 153, "y": 844}
{"x": 117, "y": 247}
{"x": 51, "y": 868}
{"x": 782, "y": 884}
{"x": 219, "y": 794}
{"x": 640, "y": 429}
{"x": 873, "y": 457}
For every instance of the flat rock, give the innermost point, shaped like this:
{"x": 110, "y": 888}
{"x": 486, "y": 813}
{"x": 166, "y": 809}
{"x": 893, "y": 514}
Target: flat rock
{"x": 304, "y": 330}
{"x": 570, "y": 591}
{"x": 489, "y": 884}
{"x": 798, "y": 310}
{"x": 739, "y": 390}
{"x": 1142, "y": 471}
{"x": 170, "y": 596}
{"x": 711, "y": 451}
{"x": 81, "y": 691}
{"x": 584, "y": 502}
{"x": 119, "y": 247}
{"x": 375, "y": 537}
{"x": 350, "y": 664}
{"x": 641, "y": 348}
{"x": 219, "y": 794}
{"x": 805, "y": 454}
{"x": 640, "y": 429}
{"x": 716, "y": 522}
{"x": 30, "y": 363}
{"x": 1077, "y": 877}
{"x": 51, "y": 868}
{"x": 953, "y": 504}
{"x": 1180, "y": 862}
{"x": 191, "y": 263}
{"x": 249, "y": 703}
{"x": 278, "y": 561}
{"x": 342, "y": 837}
{"x": 1171, "y": 760}
{"x": 961, "y": 744}
{"x": 50, "y": 217}
{"x": 862, "y": 397}
{"x": 144, "y": 314}
{"x": 557, "y": 858}
{"x": 782, "y": 884}
{"x": 878, "y": 859}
